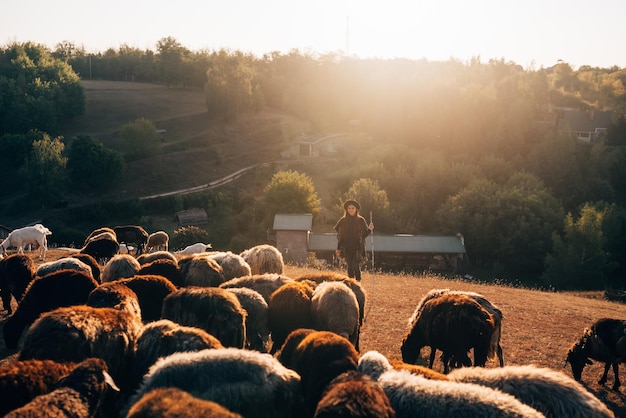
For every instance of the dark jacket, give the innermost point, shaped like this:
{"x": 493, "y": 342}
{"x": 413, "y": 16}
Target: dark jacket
{"x": 351, "y": 234}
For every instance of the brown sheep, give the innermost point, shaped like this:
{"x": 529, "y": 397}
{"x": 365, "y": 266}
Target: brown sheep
{"x": 120, "y": 266}
{"x": 115, "y": 295}
{"x": 157, "y": 255}
{"x": 289, "y": 308}
{"x": 96, "y": 269}
{"x": 16, "y": 273}
{"x": 202, "y": 271}
{"x": 157, "y": 241}
{"x": 173, "y": 402}
{"x": 604, "y": 341}
{"x": 215, "y": 310}
{"x": 163, "y": 267}
{"x": 453, "y": 324}
{"x": 151, "y": 290}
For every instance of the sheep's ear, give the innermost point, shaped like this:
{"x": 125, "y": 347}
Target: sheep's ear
{"x": 109, "y": 380}
{"x": 589, "y": 362}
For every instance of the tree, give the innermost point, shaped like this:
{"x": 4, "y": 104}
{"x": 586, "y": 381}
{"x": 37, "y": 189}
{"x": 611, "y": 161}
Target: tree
{"x": 37, "y": 91}
{"x": 91, "y": 166}
{"x": 578, "y": 259}
{"x": 290, "y": 192}
{"x": 45, "y": 170}
{"x": 140, "y": 138}
{"x": 369, "y": 195}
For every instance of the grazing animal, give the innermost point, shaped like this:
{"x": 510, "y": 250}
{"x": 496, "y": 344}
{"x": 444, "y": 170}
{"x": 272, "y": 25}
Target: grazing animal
{"x": 163, "y": 267}
{"x": 79, "y": 394}
{"x": 454, "y": 324}
{"x": 263, "y": 259}
{"x": 334, "y": 308}
{"x": 120, "y": 266}
{"x": 96, "y": 269}
{"x": 319, "y": 358}
{"x": 157, "y": 241}
{"x": 20, "y": 237}
{"x": 101, "y": 249}
{"x": 75, "y": 333}
{"x": 16, "y": 273}
{"x": 257, "y": 324}
{"x": 61, "y": 288}
{"x": 549, "y": 391}
{"x": 99, "y": 231}
{"x": 246, "y": 382}
{"x": 374, "y": 364}
{"x": 354, "y": 395}
{"x": 146, "y": 258}
{"x": 488, "y": 306}
{"x": 65, "y": 263}
{"x": 151, "y": 291}
{"x": 289, "y": 309}
{"x": 132, "y": 234}
{"x": 162, "y": 338}
{"x": 265, "y": 284}
{"x": 201, "y": 271}
{"x": 233, "y": 265}
{"x": 22, "y": 381}
{"x": 215, "y": 310}
{"x": 196, "y": 248}
{"x": 604, "y": 341}
{"x": 172, "y": 402}
{"x": 115, "y": 295}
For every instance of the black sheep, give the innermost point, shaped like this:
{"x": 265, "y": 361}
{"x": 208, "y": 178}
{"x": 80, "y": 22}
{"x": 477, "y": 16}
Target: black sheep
{"x": 16, "y": 273}
{"x": 132, "y": 234}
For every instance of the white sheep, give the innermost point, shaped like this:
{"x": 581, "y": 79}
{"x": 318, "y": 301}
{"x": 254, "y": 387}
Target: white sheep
{"x": 549, "y": 391}
{"x": 250, "y": 383}
{"x": 20, "y": 237}
{"x": 233, "y": 264}
{"x": 196, "y": 248}
{"x": 334, "y": 308}
{"x": 62, "y": 264}
{"x": 264, "y": 258}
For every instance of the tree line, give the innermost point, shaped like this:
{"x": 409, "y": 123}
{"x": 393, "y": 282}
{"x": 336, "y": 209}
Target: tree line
{"x": 442, "y": 147}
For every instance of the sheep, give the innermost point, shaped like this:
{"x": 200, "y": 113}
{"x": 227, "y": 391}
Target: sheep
{"x": 265, "y": 284}
{"x": 96, "y": 269}
{"x": 233, "y": 265}
{"x": 196, "y": 248}
{"x": 125, "y": 249}
{"x": 157, "y": 255}
{"x": 257, "y": 323}
{"x": 285, "y": 353}
{"x": 289, "y": 308}
{"x": 20, "y": 237}
{"x": 215, "y": 310}
{"x": 454, "y": 324}
{"x": 246, "y": 382}
{"x": 16, "y": 273}
{"x": 415, "y": 396}
{"x": 99, "y": 231}
{"x": 22, "y": 381}
{"x": 173, "y": 402}
{"x": 549, "y": 391}
{"x": 163, "y": 267}
{"x": 102, "y": 249}
{"x": 319, "y": 358}
{"x": 132, "y": 234}
{"x": 162, "y": 338}
{"x": 151, "y": 291}
{"x": 65, "y": 263}
{"x": 79, "y": 394}
{"x": 74, "y": 333}
{"x": 354, "y": 394}
{"x": 115, "y": 295}
{"x": 202, "y": 271}
{"x": 335, "y": 308}
{"x": 157, "y": 241}
{"x": 604, "y": 341}
{"x": 264, "y": 258}
{"x": 118, "y": 267}
{"x": 61, "y": 288}
{"x": 110, "y": 235}
{"x": 488, "y": 306}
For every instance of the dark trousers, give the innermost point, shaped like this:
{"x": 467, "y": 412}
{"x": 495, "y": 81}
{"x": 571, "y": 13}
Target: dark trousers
{"x": 353, "y": 259}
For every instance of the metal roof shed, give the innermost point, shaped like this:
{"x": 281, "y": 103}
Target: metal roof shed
{"x": 291, "y": 235}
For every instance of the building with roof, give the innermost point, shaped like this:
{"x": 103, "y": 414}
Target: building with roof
{"x": 390, "y": 251}
{"x": 589, "y": 126}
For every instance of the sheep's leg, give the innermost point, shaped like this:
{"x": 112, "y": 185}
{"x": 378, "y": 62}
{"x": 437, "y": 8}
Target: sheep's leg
{"x": 500, "y": 355}
{"x": 616, "y": 383}
{"x": 602, "y": 380}
{"x": 431, "y": 359}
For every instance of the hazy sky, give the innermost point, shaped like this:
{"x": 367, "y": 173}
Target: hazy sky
{"x": 532, "y": 33}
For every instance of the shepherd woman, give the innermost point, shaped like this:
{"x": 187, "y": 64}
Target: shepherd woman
{"x": 352, "y": 229}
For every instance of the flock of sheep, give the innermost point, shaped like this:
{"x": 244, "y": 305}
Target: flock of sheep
{"x": 208, "y": 333}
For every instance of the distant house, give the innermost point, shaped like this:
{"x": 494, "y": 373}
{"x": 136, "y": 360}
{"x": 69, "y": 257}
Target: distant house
{"x": 192, "y": 217}
{"x": 587, "y": 126}
{"x": 292, "y": 232}
{"x": 401, "y": 251}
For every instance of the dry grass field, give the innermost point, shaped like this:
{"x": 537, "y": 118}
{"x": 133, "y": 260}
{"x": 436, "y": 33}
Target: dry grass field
{"x": 538, "y": 327}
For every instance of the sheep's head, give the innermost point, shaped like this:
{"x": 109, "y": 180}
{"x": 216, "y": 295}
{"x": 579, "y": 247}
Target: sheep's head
{"x": 577, "y": 355}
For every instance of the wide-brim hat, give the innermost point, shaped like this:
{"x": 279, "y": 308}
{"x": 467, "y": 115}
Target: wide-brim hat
{"x": 351, "y": 202}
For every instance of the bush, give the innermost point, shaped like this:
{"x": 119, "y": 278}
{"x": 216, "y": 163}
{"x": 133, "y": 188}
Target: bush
{"x": 187, "y": 235}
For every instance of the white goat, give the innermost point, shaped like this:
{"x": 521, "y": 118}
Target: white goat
{"x": 20, "y": 237}
{"x": 198, "y": 247}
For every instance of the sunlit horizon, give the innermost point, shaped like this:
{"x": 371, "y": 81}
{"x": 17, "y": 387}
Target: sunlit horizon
{"x": 532, "y": 34}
